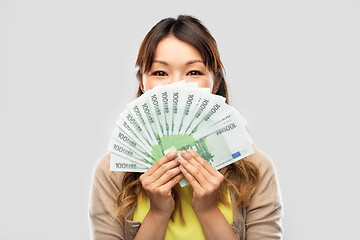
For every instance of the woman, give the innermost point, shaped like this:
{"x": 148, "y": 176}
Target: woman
{"x": 240, "y": 201}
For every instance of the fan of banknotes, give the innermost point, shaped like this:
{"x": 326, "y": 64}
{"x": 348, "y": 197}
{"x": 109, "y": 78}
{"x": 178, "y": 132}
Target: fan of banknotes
{"x": 178, "y": 116}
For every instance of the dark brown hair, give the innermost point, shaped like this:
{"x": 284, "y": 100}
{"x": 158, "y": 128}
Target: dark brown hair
{"x": 242, "y": 176}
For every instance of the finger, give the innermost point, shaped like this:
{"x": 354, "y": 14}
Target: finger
{"x": 204, "y": 163}
{"x": 166, "y": 158}
{"x": 168, "y": 175}
{"x": 193, "y": 182}
{"x": 195, "y": 169}
{"x": 164, "y": 168}
{"x": 188, "y": 157}
{"x": 170, "y": 184}
{"x": 194, "y": 172}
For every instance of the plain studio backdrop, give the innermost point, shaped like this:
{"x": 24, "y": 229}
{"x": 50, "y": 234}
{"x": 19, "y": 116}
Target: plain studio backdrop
{"x": 67, "y": 72}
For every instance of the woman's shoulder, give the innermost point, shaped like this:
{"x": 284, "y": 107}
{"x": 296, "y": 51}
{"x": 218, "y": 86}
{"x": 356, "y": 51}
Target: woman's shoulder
{"x": 102, "y": 173}
{"x": 265, "y": 209}
{"x": 268, "y": 179}
{"x": 103, "y": 194}
{"x": 103, "y": 163}
{"x": 262, "y": 160}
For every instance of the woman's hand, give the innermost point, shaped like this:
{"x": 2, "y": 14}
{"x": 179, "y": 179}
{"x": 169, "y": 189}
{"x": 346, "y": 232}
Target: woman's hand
{"x": 204, "y": 179}
{"x": 158, "y": 181}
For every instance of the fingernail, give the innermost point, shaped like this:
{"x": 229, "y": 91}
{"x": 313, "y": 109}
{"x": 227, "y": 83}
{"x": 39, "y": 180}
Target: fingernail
{"x": 191, "y": 151}
{"x": 180, "y": 159}
{"x": 184, "y": 153}
{"x": 182, "y": 167}
{"x": 173, "y": 153}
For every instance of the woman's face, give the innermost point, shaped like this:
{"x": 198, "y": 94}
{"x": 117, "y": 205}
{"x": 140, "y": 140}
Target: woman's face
{"x": 174, "y": 61}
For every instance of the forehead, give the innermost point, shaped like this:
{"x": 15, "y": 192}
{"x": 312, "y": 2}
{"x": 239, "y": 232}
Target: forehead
{"x": 175, "y": 51}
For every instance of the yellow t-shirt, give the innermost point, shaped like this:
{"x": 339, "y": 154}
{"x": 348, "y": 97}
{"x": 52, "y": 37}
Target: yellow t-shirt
{"x": 175, "y": 229}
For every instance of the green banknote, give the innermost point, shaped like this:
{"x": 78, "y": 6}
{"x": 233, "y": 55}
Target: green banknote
{"x": 178, "y": 116}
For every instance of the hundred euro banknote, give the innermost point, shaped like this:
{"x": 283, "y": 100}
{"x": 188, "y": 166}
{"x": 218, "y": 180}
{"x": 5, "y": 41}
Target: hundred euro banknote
{"x": 178, "y": 116}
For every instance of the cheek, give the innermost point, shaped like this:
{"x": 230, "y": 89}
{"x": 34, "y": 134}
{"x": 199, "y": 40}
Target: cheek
{"x": 148, "y": 84}
{"x": 206, "y": 82}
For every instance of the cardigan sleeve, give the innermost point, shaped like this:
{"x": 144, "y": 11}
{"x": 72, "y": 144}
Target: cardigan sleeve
{"x": 103, "y": 192}
{"x": 265, "y": 209}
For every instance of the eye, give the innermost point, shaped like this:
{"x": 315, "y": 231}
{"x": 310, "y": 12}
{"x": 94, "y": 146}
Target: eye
{"x": 194, "y": 72}
{"x": 159, "y": 73}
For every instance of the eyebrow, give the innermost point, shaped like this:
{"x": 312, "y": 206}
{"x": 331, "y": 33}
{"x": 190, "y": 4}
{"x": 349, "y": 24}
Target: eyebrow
{"x": 187, "y": 63}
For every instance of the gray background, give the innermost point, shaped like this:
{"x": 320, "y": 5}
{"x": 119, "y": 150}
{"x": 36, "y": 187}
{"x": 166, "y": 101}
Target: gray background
{"x": 67, "y": 71}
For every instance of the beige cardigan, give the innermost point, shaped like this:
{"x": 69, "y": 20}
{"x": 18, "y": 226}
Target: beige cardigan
{"x": 261, "y": 219}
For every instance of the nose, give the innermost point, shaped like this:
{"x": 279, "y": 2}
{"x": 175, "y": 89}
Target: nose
{"x": 176, "y": 78}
